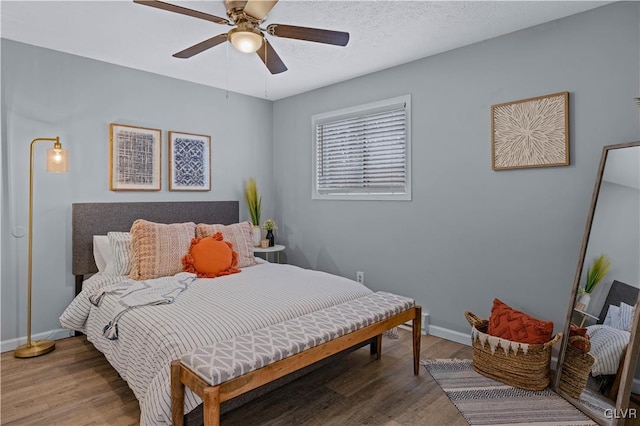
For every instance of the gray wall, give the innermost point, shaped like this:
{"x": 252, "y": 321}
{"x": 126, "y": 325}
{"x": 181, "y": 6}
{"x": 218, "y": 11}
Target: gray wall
{"x": 470, "y": 234}
{"x": 47, "y": 94}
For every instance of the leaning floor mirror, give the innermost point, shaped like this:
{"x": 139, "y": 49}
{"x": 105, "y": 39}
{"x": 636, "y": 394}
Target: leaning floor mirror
{"x": 598, "y": 360}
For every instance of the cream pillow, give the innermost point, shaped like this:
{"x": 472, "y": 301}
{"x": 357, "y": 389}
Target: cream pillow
{"x": 238, "y": 234}
{"x": 612, "y": 315}
{"x": 625, "y": 317}
{"x": 101, "y": 251}
{"x": 120, "y": 250}
{"x": 157, "y": 248}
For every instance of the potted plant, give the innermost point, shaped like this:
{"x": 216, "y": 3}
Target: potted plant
{"x": 598, "y": 269}
{"x": 254, "y": 202}
{"x": 269, "y": 225}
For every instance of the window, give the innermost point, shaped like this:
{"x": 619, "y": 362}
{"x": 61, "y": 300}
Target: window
{"x": 364, "y": 152}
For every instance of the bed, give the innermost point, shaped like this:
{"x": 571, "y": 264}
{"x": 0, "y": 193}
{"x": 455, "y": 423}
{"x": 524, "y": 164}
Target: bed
{"x": 148, "y": 338}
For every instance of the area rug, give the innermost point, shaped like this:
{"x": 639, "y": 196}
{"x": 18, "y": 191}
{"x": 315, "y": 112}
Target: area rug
{"x": 483, "y": 401}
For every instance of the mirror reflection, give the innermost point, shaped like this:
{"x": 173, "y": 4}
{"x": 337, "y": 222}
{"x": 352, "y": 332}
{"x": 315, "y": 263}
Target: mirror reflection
{"x": 601, "y": 315}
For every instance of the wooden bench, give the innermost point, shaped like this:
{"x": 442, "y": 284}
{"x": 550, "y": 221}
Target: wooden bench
{"x": 227, "y": 369}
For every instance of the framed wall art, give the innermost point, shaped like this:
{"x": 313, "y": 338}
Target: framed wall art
{"x": 189, "y": 162}
{"x": 135, "y": 158}
{"x": 530, "y": 133}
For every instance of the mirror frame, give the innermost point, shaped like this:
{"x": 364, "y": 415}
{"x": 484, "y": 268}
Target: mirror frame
{"x": 633, "y": 348}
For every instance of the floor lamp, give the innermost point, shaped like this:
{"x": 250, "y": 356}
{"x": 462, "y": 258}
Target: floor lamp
{"x": 57, "y": 162}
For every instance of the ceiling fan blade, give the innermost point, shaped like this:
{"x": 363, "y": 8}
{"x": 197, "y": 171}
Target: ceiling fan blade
{"x": 337, "y": 38}
{"x": 271, "y": 58}
{"x": 183, "y": 10}
{"x": 259, "y": 8}
{"x": 201, "y": 47}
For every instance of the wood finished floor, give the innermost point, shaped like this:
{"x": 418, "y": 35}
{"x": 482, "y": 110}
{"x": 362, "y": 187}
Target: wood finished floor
{"x": 75, "y": 385}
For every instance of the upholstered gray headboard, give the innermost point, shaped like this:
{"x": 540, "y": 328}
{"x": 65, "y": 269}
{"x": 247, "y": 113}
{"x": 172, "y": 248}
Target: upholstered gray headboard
{"x": 89, "y": 219}
{"x": 619, "y": 292}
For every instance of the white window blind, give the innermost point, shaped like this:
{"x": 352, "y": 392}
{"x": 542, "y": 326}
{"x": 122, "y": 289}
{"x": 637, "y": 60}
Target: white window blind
{"x": 363, "y": 152}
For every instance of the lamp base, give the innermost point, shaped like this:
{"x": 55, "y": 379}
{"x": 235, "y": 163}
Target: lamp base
{"x": 36, "y": 348}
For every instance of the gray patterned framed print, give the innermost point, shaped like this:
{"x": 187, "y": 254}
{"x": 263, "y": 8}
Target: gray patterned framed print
{"x": 189, "y": 162}
{"x": 530, "y": 133}
{"x": 135, "y": 158}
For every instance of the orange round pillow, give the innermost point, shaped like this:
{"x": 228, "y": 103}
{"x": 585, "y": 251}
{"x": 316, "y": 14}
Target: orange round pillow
{"x": 211, "y": 257}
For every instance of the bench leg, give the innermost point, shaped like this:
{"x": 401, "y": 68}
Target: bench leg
{"x": 211, "y": 406}
{"x": 417, "y": 334}
{"x": 177, "y": 394}
{"x": 375, "y": 348}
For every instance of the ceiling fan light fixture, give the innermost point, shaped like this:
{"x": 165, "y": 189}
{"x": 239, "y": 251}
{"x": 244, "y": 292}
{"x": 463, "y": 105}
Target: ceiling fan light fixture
{"x": 246, "y": 40}
{"x": 247, "y": 36}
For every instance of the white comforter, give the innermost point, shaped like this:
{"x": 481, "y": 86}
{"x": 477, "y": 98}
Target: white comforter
{"x": 210, "y": 310}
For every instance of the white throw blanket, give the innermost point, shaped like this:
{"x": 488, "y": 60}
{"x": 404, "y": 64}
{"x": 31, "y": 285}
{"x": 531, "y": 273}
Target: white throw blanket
{"x": 134, "y": 294}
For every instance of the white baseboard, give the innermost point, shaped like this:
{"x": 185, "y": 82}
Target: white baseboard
{"x": 454, "y": 336}
{"x": 425, "y": 324}
{"x": 11, "y": 344}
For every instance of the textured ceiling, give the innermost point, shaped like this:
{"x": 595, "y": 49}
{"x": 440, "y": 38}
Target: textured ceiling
{"x": 383, "y": 34}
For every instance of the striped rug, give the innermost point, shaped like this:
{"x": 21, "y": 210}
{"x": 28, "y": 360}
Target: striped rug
{"x": 483, "y": 401}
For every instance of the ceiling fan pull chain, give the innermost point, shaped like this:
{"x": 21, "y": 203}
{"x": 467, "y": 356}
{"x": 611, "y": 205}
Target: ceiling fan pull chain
{"x": 226, "y": 94}
{"x": 265, "y": 75}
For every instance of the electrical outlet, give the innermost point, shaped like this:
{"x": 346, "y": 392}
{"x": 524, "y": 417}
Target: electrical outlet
{"x": 360, "y": 277}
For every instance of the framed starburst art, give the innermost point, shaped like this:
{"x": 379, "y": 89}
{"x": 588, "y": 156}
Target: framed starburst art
{"x": 189, "y": 162}
{"x": 530, "y": 133}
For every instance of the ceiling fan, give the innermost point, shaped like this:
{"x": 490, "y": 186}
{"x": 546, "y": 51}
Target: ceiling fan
{"x": 247, "y": 36}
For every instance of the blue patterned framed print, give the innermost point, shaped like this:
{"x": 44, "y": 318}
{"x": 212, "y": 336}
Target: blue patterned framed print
{"x": 189, "y": 162}
{"x": 135, "y": 158}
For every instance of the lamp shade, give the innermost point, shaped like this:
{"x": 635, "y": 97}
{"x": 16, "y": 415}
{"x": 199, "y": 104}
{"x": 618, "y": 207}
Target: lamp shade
{"x": 246, "y": 41}
{"x": 57, "y": 159}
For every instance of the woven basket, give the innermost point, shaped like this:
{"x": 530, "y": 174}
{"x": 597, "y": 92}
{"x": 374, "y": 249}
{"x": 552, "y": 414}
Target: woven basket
{"x": 512, "y": 366}
{"x": 576, "y": 368}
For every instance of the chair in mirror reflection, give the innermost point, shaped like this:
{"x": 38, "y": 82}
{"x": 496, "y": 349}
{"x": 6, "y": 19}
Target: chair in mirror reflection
{"x": 608, "y": 316}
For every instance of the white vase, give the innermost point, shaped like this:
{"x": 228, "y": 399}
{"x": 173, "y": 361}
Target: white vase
{"x": 583, "y": 302}
{"x": 257, "y": 236}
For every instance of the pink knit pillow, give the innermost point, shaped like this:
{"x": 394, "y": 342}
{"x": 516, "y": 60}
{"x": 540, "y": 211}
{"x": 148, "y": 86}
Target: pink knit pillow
{"x": 157, "y": 248}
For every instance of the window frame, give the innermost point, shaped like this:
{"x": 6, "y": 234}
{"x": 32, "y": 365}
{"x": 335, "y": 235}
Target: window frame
{"x": 361, "y": 111}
